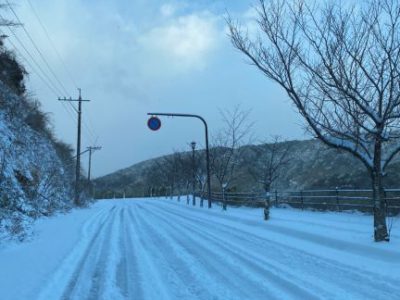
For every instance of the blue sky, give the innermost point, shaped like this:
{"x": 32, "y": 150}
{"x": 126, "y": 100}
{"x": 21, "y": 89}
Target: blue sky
{"x": 133, "y": 57}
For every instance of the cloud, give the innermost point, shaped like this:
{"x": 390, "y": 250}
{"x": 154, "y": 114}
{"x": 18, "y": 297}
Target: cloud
{"x": 248, "y": 22}
{"x": 184, "y": 43}
{"x": 131, "y": 57}
{"x": 167, "y": 10}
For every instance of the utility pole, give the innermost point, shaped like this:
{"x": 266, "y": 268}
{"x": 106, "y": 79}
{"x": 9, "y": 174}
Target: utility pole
{"x": 78, "y": 144}
{"x": 91, "y": 151}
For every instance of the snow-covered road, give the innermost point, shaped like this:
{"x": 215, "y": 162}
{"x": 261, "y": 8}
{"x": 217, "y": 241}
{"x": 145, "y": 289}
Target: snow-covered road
{"x": 161, "y": 249}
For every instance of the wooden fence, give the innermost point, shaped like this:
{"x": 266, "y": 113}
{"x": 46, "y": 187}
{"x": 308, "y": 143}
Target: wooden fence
{"x": 333, "y": 200}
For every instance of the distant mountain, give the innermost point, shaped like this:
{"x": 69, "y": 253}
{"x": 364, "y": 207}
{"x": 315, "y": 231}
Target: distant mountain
{"x": 312, "y": 165}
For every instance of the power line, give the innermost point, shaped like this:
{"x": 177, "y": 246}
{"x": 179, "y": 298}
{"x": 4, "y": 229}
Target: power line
{"x": 41, "y": 55}
{"x": 54, "y": 87}
{"x": 37, "y": 48}
{"x": 86, "y": 125}
{"x": 44, "y": 77}
{"x": 19, "y": 53}
{"x": 52, "y": 44}
{"x": 34, "y": 60}
{"x": 49, "y": 82}
{"x": 40, "y": 77}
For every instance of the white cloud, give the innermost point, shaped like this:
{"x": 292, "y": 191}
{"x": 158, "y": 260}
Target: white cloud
{"x": 129, "y": 59}
{"x": 184, "y": 42}
{"x": 168, "y": 10}
{"x": 249, "y": 22}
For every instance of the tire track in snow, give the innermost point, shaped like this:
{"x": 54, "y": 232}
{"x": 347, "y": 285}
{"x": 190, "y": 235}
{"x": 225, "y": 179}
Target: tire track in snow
{"x": 196, "y": 267}
{"x": 152, "y": 282}
{"x": 384, "y": 287}
{"x": 67, "y": 271}
{"x": 340, "y": 245}
{"x": 103, "y": 276}
{"x": 129, "y": 277}
{"x": 278, "y": 275}
{"x": 230, "y": 254}
{"x": 372, "y": 277}
{"x": 80, "y": 285}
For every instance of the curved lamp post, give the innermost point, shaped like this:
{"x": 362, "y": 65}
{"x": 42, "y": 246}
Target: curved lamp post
{"x": 207, "y": 146}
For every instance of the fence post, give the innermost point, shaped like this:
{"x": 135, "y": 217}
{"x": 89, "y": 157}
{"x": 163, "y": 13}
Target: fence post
{"x": 224, "y": 185}
{"x": 337, "y": 198}
{"x": 302, "y": 200}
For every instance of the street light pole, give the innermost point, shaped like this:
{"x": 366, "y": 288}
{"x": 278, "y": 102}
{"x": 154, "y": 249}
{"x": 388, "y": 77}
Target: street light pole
{"x": 193, "y": 145}
{"x": 207, "y": 146}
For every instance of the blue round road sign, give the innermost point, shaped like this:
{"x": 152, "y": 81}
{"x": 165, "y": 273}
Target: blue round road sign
{"x": 154, "y": 123}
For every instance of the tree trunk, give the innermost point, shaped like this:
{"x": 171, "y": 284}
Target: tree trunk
{"x": 267, "y": 203}
{"x": 380, "y": 228}
{"x": 172, "y": 192}
{"x": 202, "y": 194}
{"x": 223, "y": 199}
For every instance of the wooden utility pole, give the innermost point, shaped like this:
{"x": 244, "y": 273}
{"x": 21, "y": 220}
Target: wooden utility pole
{"x": 91, "y": 150}
{"x": 78, "y": 145}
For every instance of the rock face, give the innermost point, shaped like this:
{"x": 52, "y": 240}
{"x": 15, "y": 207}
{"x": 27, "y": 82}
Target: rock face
{"x": 35, "y": 172}
{"x": 312, "y": 165}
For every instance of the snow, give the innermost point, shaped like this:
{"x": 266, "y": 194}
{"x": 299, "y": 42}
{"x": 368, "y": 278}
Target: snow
{"x": 164, "y": 249}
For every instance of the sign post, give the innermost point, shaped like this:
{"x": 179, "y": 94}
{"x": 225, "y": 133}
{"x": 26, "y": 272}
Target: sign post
{"x": 157, "y": 125}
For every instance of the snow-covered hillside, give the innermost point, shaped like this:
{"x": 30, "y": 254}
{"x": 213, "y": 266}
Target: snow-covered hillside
{"x": 33, "y": 178}
{"x": 311, "y": 166}
{"x": 162, "y": 249}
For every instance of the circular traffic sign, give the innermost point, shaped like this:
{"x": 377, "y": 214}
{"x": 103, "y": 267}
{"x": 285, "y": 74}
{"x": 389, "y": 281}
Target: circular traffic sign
{"x": 154, "y": 123}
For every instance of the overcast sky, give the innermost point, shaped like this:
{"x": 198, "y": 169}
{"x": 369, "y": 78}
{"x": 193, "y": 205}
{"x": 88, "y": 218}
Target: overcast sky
{"x": 131, "y": 57}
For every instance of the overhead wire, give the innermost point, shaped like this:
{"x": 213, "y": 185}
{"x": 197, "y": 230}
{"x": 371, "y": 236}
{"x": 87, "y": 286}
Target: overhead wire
{"x": 67, "y": 71}
{"x": 41, "y": 73}
{"x": 62, "y": 88}
{"x": 52, "y": 86}
{"x": 33, "y": 59}
{"x": 31, "y": 67}
{"x": 37, "y": 49}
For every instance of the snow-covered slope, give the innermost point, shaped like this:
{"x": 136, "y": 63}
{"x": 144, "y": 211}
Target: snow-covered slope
{"x": 33, "y": 178}
{"x": 161, "y": 249}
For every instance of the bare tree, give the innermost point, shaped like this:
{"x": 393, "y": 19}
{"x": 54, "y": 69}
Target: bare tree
{"x": 226, "y": 151}
{"x": 340, "y": 67}
{"x": 271, "y": 158}
{"x": 167, "y": 170}
{"x": 185, "y": 174}
{"x": 201, "y": 173}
